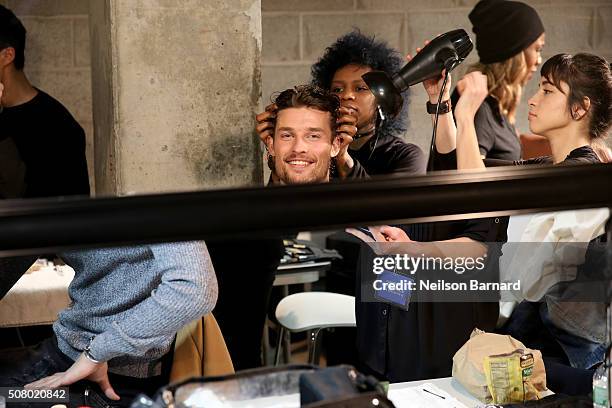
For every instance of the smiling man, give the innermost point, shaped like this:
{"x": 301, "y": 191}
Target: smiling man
{"x": 307, "y": 132}
{"x": 304, "y": 139}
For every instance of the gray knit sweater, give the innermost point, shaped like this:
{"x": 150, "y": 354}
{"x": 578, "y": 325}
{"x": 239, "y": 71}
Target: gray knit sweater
{"x": 132, "y": 301}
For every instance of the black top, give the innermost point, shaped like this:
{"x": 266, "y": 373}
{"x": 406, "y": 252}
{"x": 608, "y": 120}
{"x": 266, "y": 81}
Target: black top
{"x": 245, "y": 270}
{"x": 419, "y": 343}
{"x": 497, "y": 137}
{"x": 580, "y": 155}
{"x": 388, "y": 155}
{"x": 42, "y": 149}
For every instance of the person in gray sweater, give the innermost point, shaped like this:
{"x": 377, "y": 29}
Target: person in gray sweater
{"x": 127, "y": 305}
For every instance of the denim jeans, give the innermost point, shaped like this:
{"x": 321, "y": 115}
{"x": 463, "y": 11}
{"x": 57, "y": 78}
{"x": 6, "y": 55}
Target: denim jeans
{"x": 531, "y": 324}
{"x": 569, "y": 360}
{"x": 19, "y": 367}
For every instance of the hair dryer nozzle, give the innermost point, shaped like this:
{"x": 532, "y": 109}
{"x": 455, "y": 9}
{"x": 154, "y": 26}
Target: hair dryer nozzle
{"x": 385, "y": 91}
{"x": 461, "y": 42}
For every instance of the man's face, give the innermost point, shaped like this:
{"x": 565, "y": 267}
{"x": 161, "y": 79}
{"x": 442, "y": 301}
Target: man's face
{"x": 303, "y": 145}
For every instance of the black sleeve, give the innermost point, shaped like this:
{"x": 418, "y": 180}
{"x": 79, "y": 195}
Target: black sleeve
{"x": 69, "y": 170}
{"x": 485, "y": 229}
{"x": 358, "y": 171}
{"x": 484, "y": 131}
{"x": 444, "y": 161}
{"x": 482, "y": 123}
{"x": 401, "y": 159}
{"x": 500, "y": 162}
{"x": 12, "y": 171}
{"x": 409, "y": 159}
{"x": 448, "y": 161}
{"x": 64, "y": 169}
{"x": 73, "y": 172}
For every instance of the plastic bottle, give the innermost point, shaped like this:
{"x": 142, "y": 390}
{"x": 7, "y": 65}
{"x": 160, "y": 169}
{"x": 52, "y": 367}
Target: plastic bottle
{"x": 600, "y": 387}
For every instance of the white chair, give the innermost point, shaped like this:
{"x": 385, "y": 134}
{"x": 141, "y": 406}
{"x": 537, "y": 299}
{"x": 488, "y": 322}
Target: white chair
{"x": 313, "y": 311}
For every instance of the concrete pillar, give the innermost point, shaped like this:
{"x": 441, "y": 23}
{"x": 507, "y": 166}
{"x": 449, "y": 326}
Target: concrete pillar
{"x": 176, "y": 86}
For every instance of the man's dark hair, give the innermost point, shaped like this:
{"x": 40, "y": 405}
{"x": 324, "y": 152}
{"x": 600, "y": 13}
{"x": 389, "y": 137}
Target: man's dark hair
{"x": 359, "y": 49}
{"x": 12, "y": 34}
{"x": 310, "y": 96}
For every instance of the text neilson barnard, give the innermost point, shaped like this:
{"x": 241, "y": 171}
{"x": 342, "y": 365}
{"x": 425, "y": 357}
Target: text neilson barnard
{"x": 442, "y": 285}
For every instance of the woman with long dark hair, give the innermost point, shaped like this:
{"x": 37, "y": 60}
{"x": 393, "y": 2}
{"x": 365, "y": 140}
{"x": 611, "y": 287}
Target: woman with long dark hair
{"x": 572, "y": 109}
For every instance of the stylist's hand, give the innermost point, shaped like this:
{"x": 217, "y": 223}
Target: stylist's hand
{"x": 473, "y": 90}
{"x": 82, "y": 369}
{"x": 265, "y": 122}
{"x": 346, "y": 130}
{"x": 265, "y": 130}
{"x": 387, "y": 240}
{"x": 394, "y": 234}
{"x": 434, "y": 85}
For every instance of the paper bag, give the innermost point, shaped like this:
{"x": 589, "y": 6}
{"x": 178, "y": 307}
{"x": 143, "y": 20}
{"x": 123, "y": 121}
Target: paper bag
{"x": 468, "y": 362}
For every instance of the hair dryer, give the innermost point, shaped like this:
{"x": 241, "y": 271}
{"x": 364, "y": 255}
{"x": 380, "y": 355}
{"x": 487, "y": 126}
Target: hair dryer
{"x": 446, "y": 51}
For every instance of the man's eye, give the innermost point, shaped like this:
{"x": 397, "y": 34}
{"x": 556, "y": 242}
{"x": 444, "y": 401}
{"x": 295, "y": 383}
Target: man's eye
{"x": 285, "y": 135}
{"x": 314, "y": 136}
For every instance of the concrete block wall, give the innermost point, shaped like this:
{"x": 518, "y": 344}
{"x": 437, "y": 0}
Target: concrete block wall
{"x": 58, "y": 56}
{"x": 295, "y": 34}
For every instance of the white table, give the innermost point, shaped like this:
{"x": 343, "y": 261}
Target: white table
{"x": 300, "y": 273}
{"x": 447, "y": 385}
{"x": 454, "y": 393}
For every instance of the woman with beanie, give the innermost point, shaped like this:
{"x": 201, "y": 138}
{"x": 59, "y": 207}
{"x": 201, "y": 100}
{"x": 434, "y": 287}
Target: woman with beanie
{"x": 509, "y": 41}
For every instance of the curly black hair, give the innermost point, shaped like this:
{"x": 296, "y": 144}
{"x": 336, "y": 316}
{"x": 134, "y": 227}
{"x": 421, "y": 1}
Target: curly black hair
{"x": 360, "y": 49}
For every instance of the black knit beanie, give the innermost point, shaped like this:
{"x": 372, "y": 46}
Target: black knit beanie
{"x": 504, "y": 28}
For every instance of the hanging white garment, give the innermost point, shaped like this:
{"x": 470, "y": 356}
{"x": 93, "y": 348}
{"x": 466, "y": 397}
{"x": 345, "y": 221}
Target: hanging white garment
{"x": 552, "y": 247}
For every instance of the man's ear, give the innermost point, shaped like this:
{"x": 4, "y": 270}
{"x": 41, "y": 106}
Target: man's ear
{"x": 7, "y": 56}
{"x": 270, "y": 145}
{"x": 335, "y": 146}
{"x": 580, "y": 110}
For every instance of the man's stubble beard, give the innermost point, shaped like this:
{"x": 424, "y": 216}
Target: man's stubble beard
{"x": 319, "y": 175}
